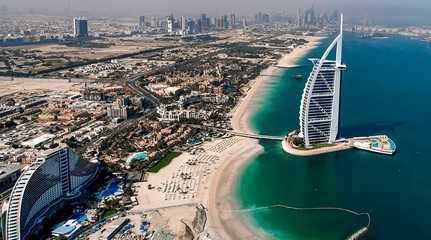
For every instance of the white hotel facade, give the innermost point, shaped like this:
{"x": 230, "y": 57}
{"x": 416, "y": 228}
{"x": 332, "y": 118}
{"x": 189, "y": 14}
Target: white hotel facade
{"x": 58, "y": 176}
{"x": 320, "y": 104}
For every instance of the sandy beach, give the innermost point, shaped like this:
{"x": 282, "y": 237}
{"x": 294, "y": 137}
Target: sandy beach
{"x": 207, "y": 177}
{"x": 223, "y": 223}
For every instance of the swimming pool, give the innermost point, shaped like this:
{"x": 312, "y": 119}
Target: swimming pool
{"x": 375, "y": 143}
{"x": 71, "y": 225}
{"x": 79, "y": 217}
{"x": 140, "y": 156}
{"x": 112, "y": 189}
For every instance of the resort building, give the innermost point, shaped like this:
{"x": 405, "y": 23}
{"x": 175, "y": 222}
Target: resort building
{"x": 181, "y": 114}
{"x": 43, "y": 186}
{"x": 320, "y": 104}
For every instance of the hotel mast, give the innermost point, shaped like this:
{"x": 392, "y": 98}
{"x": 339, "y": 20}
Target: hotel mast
{"x": 320, "y": 104}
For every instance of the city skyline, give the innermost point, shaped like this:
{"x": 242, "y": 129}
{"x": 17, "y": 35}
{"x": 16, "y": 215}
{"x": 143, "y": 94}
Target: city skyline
{"x": 384, "y": 12}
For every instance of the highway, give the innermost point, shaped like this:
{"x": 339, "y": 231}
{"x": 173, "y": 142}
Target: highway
{"x": 133, "y": 84}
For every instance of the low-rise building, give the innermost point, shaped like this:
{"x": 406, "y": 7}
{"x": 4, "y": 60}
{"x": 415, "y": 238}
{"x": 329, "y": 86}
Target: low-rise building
{"x": 38, "y": 141}
{"x": 115, "y": 111}
{"x": 180, "y": 114}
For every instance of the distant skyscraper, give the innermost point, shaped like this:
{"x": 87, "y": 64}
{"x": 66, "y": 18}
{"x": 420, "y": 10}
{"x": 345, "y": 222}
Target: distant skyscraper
{"x": 334, "y": 17}
{"x": 204, "y": 22}
{"x": 244, "y": 22}
{"x": 299, "y": 19}
{"x": 320, "y": 104}
{"x": 232, "y": 22}
{"x": 310, "y": 17}
{"x": 220, "y": 22}
{"x": 183, "y": 24}
{"x": 262, "y": 18}
{"x": 212, "y": 21}
{"x": 192, "y": 26}
{"x": 258, "y": 18}
{"x": 170, "y": 25}
{"x": 154, "y": 22}
{"x": 225, "y": 21}
{"x": 266, "y": 18}
{"x": 80, "y": 27}
{"x": 142, "y": 22}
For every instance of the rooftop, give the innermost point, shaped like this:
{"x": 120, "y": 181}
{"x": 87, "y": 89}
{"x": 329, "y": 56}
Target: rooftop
{"x": 6, "y": 170}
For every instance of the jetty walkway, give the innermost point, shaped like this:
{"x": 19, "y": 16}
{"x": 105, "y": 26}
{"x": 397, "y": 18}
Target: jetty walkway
{"x": 256, "y": 136}
{"x": 239, "y": 134}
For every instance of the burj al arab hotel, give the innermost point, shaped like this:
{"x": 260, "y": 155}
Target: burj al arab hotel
{"x": 320, "y": 103}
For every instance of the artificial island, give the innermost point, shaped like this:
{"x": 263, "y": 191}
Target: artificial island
{"x": 320, "y": 112}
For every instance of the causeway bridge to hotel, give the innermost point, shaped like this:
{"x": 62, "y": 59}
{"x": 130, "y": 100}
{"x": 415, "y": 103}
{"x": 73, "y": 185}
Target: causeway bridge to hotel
{"x": 239, "y": 134}
{"x": 256, "y": 136}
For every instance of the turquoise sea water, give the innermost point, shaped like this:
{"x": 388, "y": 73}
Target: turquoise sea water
{"x": 386, "y": 90}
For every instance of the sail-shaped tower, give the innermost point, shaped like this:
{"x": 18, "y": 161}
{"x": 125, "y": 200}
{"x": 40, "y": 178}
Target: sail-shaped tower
{"x": 320, "y": 103}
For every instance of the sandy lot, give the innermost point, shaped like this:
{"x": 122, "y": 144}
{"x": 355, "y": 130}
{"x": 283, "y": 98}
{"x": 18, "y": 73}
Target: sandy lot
{"x": 33, "y": 84}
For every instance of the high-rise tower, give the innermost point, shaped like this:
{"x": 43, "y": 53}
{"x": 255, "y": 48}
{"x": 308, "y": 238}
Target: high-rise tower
{"x": 141, "y": 22}
{"x": 320, "y": 104}
{"x": 183, "y": 25}
{"x": 43, "y": 186}
{"x": 80, "y": 27}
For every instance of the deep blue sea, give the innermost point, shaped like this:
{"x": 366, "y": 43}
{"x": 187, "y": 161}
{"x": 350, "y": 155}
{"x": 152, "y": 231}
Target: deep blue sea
{"x": 386, "y": 89}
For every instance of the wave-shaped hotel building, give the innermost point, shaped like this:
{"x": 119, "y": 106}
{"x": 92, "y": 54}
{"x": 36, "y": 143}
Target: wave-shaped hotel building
{"x": 320, "y": 112}
{"x": 43, "y": 186}
{"x": 320, "y": 104}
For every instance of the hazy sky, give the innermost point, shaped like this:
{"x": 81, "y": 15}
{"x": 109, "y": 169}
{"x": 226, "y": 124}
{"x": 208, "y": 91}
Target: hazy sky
{"x": 389, "y": 11}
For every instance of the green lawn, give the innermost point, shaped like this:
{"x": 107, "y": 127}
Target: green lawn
{"x": 164, "y": 162}
{"x": 109, "y": 213}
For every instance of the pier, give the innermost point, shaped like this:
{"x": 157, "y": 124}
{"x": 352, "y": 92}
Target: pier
{"x": 256, "y": 136}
